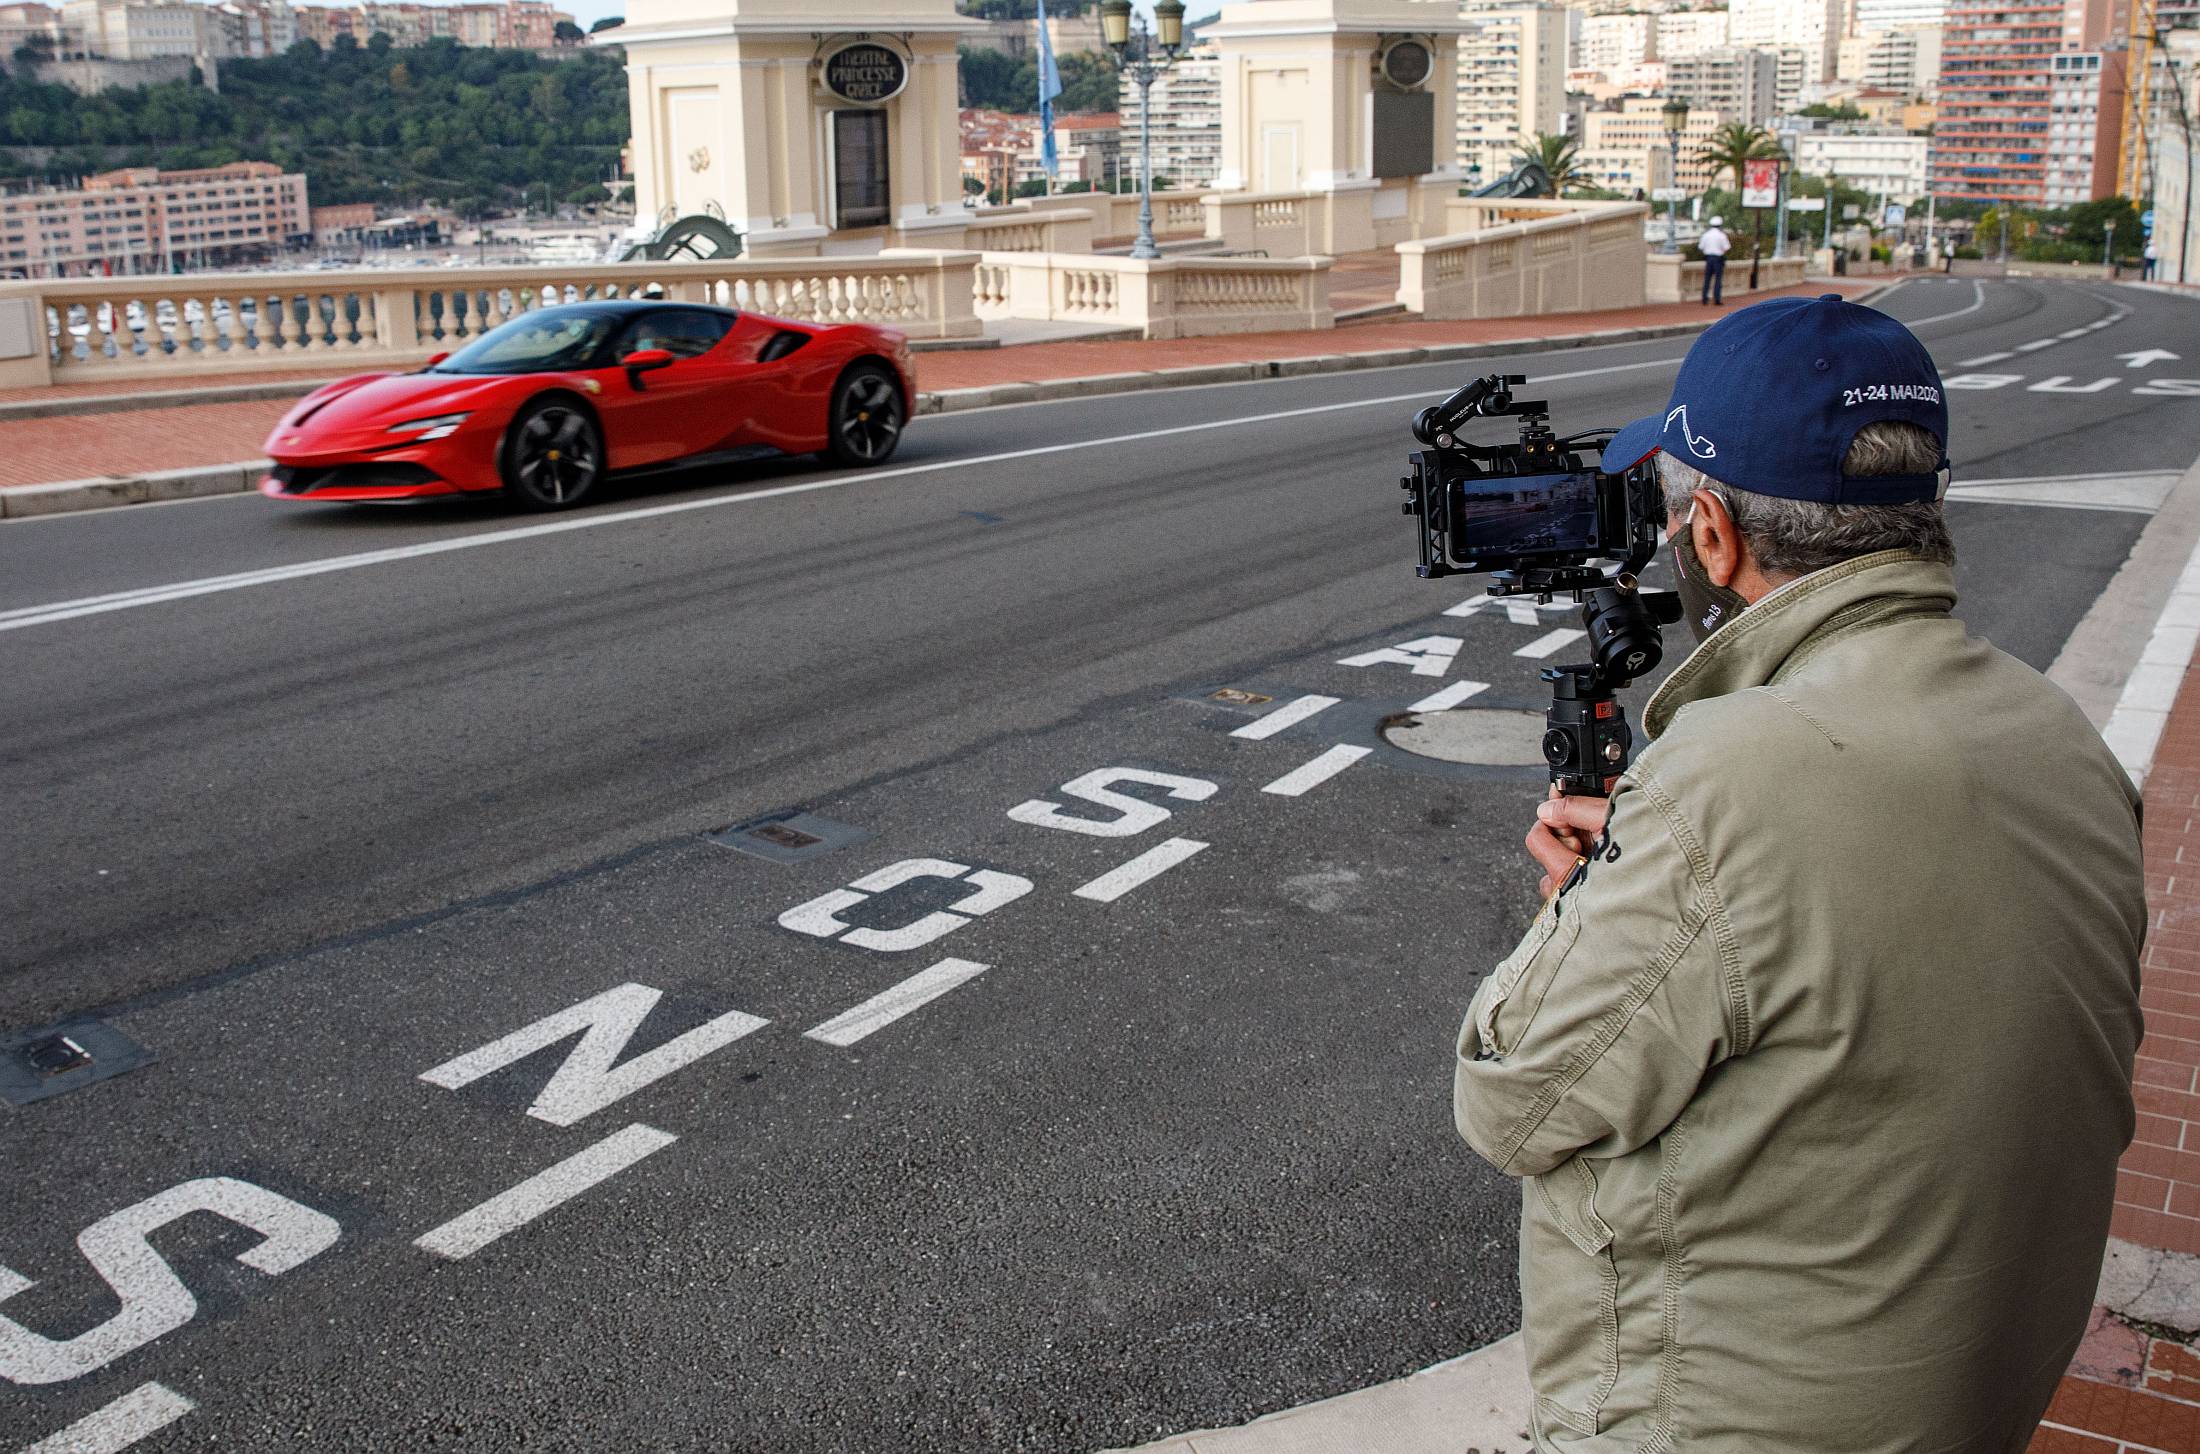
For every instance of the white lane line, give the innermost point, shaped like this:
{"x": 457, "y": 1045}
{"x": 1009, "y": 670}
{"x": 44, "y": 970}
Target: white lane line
{"x": 1313, "y": 774}
{"x": 1449, "y": 697}
{"x": 1284, "y": 716}
{"x": 1151, "y": 864}
{"x": 2075, "y": 332}
{"x": 23, "y": 616}
{"x": 1551, "y": 641}
{"x": 2036, "y": 343}
{"x": 1985, "y": 358}
{"x": 146, "y": 1409}
{"x": 2142, "y": 710}
{"x": 889, "y": 1005}
{"x": 548, "y": 1189}
{"x": 1978, "y": 301}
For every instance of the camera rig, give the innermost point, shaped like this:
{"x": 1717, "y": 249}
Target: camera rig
{"x": 1534, "y": 514}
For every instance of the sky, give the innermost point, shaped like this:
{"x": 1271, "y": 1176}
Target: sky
{"x": 588, "y": 12}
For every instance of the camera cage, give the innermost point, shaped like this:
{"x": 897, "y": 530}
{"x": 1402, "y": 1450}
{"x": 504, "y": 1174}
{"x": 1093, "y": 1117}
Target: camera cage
{"x": 1588, "y": 739}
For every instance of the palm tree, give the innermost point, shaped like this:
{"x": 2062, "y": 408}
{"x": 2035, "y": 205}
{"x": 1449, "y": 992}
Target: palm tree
{"x": 1735, "y": 145}
{"x": 1560, "y": 157}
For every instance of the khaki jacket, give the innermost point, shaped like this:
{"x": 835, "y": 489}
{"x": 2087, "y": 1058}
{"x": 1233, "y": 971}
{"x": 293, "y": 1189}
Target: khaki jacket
{"x": 1820, "y": 1083}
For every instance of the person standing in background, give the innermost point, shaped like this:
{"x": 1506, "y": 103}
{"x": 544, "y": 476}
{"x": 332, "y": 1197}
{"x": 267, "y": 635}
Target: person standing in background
{"x": 1714, "y": 245}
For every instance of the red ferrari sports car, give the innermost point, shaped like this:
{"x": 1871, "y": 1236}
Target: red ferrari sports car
{"x": 548, "y": 404}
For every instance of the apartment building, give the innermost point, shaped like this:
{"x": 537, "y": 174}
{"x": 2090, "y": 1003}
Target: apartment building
{"x": 1996, "y": 85}
{"x": 1880, "y": 160}
{"x": 1812, "y": 28}
{"x": 1612, "y": 42}
{"x": 130, "y": 30}
{"x": 1742, "y": 85}
{"x": 1628, "y": 171}
{"x": 1512, "y": 81}
{"x": 142, "y": 220}
{"x": 1187, "y": 110}
{"x": 2085, "y": 125}
{"x": 499, "y": 24}
{"x": 1684, "y": 33}
{"x": 1638, "y": 127}
{"x": 1877, "y": 15}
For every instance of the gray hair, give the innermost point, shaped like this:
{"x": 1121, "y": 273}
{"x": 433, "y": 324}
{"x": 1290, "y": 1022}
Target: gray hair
{"x": 1795, "y": 537}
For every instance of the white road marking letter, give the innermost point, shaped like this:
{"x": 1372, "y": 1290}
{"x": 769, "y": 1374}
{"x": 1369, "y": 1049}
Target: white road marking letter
{"x": 1450, "y": 696}
{"x": 2060, "y": 384}
{"x": 155, "y": 1301}
{"x": 1428, "y": 656}
{"x": 1151, "y": 864}
{"x": 1518, "y": 611}
{"x": 2170, "y": 388}
{"x": 820, "y": 917}
{"x": 547, "y": 1190}
{"x": 1551, "y": 642}
{"x": 588, "y": 1079}
{"x": 1135, "y": 816}
{"x": 1982, "y": 381}
{"x": 144, "y": 1410}
{"x": 1284, "y": 716}
{"x": 889, "y": 1005}
{"x": 1317, "y": 772}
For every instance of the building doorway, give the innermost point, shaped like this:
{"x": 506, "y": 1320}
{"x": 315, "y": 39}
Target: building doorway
{"x": 862, "y": 190}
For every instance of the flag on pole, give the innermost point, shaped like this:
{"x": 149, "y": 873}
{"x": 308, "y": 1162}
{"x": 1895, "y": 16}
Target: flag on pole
{"x": 1050, "y": 86}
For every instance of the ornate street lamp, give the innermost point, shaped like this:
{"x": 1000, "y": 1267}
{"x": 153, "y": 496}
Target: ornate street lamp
{"x": 1675, "y": 115}
{"x": 1137, "y": 52}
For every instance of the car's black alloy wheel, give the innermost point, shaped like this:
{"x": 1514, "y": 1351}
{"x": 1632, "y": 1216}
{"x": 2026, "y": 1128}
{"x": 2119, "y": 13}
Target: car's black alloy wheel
{"x": 866, "y": 417}
{"x": 553, "y": 455}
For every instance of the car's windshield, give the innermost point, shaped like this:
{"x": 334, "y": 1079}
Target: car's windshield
{"x": 555, "y": 338}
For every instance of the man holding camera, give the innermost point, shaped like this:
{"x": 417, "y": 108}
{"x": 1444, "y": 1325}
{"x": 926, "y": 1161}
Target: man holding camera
{"x": 1817, "y": 1059}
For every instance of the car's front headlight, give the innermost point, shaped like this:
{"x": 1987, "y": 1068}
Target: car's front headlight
{"x": 432, "y": 428}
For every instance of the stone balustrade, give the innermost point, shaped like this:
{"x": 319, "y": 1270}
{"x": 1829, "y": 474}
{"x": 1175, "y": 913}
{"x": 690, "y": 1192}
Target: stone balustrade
{"x": 127, "y": 330}
{"x": 1356, "y": 217}
{"x": 1115, "y": 214}
{"x": 1179, "y": 297}
{"x": 1671, "y": 278}
{"x": 1526, "y": 258}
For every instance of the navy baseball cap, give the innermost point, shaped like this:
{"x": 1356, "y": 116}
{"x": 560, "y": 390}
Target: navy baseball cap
{"x": 1771, "y": 395}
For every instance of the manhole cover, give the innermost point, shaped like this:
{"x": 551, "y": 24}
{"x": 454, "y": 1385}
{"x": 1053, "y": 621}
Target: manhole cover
{"x": 788, "y": 837}
{"x": 40, "y": 1064}
{"x": 1485, "y": 735}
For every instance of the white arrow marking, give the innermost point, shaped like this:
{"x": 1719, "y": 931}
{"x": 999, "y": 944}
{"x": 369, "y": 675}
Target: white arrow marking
{"x": 2140, "y": 358}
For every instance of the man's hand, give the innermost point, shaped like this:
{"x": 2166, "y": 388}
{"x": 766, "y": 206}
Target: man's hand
{"x": 1565, "y": 827}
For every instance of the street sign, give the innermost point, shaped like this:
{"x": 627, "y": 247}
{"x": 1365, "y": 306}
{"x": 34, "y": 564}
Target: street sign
{"x": 1761, "y": 183}
{"x": 1806, "y": 204}
{"x": 2146, "y": 221}
{"x": 1894, "y": 215}
{"x": 1669, "y": 194}
{"x": 1849, "y": 211}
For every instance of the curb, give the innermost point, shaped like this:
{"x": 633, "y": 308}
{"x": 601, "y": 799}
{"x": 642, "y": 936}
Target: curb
{"x": 24, "y": 501}
{"x": 21, "y": 502}
{"x": 158, "y": 399}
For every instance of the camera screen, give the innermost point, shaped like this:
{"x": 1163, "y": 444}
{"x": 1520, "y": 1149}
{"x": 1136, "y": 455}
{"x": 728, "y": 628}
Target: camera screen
{"x": 1524, "y": 515}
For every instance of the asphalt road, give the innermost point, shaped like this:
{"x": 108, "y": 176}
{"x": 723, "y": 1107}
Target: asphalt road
{"x": 312, "y": 802}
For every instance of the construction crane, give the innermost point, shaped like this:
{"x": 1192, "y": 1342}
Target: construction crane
{"x": 2132, "y": 167}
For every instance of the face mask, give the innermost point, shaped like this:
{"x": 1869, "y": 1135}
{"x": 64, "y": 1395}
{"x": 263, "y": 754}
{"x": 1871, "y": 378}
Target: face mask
{"x": 1706, "y": 606}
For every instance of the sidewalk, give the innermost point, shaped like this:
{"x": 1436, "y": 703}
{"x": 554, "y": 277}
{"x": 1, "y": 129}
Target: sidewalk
{"x": 124, "y": 440}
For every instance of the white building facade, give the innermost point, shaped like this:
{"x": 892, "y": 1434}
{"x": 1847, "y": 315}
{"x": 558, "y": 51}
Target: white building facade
{"x": 1877, "y": 161}
{"x": 1512, "y": 82}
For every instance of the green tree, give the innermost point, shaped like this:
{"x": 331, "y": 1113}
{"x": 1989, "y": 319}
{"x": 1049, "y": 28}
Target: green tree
{"x": 1733, "y": 146}
{"x": 609, "y": 22}
{"x": 565, "y": 32}
{"x": 1559, "y": 155}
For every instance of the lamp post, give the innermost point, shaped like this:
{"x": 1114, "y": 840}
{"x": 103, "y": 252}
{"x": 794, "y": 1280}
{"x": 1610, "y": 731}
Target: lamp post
{"x": 1137, "y": 53}
{"x": 1675, "y": 115}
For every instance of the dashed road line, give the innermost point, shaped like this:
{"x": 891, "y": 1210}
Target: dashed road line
{"x": 2075, "y": 332}
{"x": 144, "y": 1410}
{"x": 1551, "y": 642}
{"x": 889, "y": 1005}
{"x": 1449, "y": 697}
{"x": 545, "y": 1191}
{"x": 2036, "y": 343}
{"x": 1151, "y": 864}
{"x": 1985, "y": 358}
{"x": 1284, "y": 716}
{"x": 1313, "y": 774}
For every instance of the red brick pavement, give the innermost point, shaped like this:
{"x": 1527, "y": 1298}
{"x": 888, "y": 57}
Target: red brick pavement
{"x": 2127, "y": 1391}
{"x": 87, "y": 446}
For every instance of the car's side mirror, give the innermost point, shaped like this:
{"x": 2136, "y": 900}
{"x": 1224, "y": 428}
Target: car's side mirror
{"x": 436, "y": 358}
{"x": 642, "y": 360}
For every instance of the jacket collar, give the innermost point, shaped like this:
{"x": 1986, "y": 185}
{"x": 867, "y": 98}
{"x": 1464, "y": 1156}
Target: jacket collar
{"x": 1759, "y": 644}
